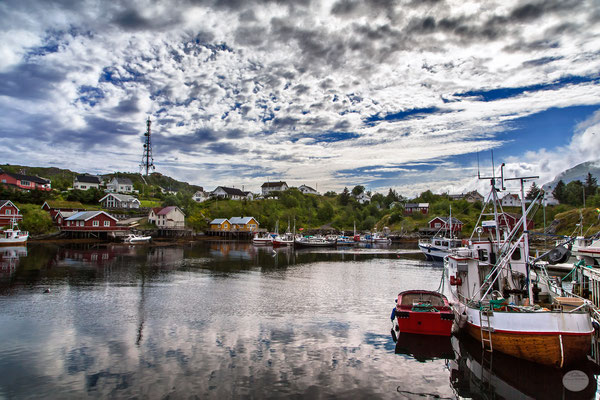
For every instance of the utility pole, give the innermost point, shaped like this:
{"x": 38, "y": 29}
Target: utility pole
{"x": 147, "y": 159}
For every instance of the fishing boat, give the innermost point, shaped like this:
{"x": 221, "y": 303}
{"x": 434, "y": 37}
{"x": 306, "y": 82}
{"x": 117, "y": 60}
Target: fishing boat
{"x": 422, "y": 312}
{"x": 499, "y": 299}
{"x": 314, "y": 241}
{"x": 286, "y": 239}
{"x": 13, "y": 236}
{"x": 587, "y": 249}
{"x": 265, "y": 239}
{"x": 135, "y": 239}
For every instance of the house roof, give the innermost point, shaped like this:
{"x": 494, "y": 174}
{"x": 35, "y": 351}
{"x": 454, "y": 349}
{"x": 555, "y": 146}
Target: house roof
{"x": 167, "y": 210}
{"x": 123, "y": 181}
{"x": 231, "y": 191}
{"x": 240, "y": 220}
{"x": 121, "y": 197}
{"x": 58, "y": 204}
{"x": 67, "y": 214}
{"x": 416, "y": 205}
{"x": 446, "y": 220}
{"x": 273, "y": 184}
{"x": 511, "y": 195}
{"x": 88, "y": 179}
{"x": 87, "y": 215}
{"x": 35, "y": 179}
{"x": 7, "y": 202}
{"x": 218, "y": 221}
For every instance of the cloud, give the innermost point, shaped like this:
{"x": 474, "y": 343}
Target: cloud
{"x": 335, "y": 93}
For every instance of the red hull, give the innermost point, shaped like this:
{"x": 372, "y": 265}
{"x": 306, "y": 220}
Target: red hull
{"x": 424, "y": 312}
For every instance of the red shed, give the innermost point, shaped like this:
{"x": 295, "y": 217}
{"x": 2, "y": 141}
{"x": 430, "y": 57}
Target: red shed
{"x": 90, "y": 221}
{"x": 509, "y": 221}
{"x": 443, "y": 223}
{"x": 8, "y": 213}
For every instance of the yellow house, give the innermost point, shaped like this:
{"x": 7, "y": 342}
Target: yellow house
{"x": 246, "y": 224}
{"x": 220, "y": 224}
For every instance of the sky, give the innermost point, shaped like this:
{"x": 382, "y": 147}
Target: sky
{"x": 386, "y": 94}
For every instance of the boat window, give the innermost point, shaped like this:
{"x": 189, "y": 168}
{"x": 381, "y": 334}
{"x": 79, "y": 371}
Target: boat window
{"x": 483, "y": 254}
{"x": 437, "y": 242}
{"x": 445, "y": 244}
{"x": 516, "y": 255}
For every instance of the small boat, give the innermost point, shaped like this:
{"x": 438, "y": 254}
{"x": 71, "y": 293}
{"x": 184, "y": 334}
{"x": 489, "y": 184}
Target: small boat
{"x": 422, "y": 312}
{"x": 13, "y": 236}
{"x": 437, "y": 247}
{"x": 133, "y": 238}
{"x": 587, "y": 249}
{"x": 314, "y": 241}
{"x": 345, "y": 241}
{"x": 287, "y": 239}
{"x": 266, "y": 239}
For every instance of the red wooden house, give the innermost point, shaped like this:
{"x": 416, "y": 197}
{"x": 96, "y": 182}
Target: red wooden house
{"x": 91, "y": 221}
{"x": 24, "y": 182}
{"x": 8, "y": 213}
{"x": 443, "y": 224}
{"x": 410, "y": 208}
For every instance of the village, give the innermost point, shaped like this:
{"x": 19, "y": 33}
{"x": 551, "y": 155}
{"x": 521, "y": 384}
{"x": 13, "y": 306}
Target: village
{"x": 119, "y": 211}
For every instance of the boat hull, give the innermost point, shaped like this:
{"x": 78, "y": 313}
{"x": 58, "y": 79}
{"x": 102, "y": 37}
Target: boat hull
{"x": 557, "y": 350}
{"x": 432, "y": 253}
{"x": 426, "y": 323}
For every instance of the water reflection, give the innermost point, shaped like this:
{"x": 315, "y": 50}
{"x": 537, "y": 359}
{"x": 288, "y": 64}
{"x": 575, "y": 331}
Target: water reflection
{"x": 9, "y": 259}
{"x": 219, "y": 320}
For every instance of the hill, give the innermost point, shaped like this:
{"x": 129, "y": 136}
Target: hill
{"x": 63, "y": 178}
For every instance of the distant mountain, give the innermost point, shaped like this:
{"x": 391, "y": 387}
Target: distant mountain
{"x": 578, "y": 172}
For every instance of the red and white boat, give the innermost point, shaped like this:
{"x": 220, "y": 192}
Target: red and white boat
{"x": 13, "y": 236}
{"x": 423, "y": 312}
{"x": 501, "y": 298}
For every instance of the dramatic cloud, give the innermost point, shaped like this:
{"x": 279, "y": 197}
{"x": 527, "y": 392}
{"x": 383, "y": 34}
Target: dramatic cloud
{"x": 385, "y": 94}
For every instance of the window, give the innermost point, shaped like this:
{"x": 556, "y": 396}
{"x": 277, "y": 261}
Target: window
{"x": 96, "y": 223}
{"x": 8, "y": 211}
{"x": 437, "y": 225}
{"x": 106, "y": 223}
{"x": 83, "y": 186}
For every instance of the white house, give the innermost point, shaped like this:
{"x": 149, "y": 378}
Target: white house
{"x": 307, "y": 189}
{"x": 363, "y": 198}
{"x": 85, "y": 182}
{"x": 167, "y": 217}
{"x": 201, "y": 196}
{"x": 120, "y": 185}
{"x": 117, "y": 200}
{"x": 269, "y": 187}
{"x": 228, "y": 193}
{"x": 511, "y": 200}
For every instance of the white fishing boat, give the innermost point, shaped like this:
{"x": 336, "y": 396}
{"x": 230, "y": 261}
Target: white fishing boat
{"x": 314, "y": 241}
{"x": 497, "y": 300}
{"x": 587, "y": 249}
{"x": 13, "y": 236}
{"x": 264, "y": 239}
{"x": 285, "y": 239}
{"x": 134, "y": 239}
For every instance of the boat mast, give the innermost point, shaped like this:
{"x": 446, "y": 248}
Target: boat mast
{"x": 450, "y": 221}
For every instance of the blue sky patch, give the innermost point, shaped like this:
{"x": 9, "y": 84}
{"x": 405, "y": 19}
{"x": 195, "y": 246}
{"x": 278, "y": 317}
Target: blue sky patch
{"x": 401, "y": 115}
{"x": 506, "y": 93}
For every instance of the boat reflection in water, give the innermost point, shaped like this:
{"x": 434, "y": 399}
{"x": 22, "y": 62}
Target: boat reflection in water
{"x": 424, "y": 347}
{"x": 476, "y": 373}
{"x": 9, "y": 259}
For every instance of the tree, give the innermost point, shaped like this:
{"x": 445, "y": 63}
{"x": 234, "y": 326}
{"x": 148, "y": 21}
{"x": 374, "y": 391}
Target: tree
{"x": 344, "y": 197}
{"x": 559, "y": 191}
{"x": 573, "y": 193}
{"x": 591, "y": 185}
{"x": 533, "y": 192}
{"x": 357, "y": 190}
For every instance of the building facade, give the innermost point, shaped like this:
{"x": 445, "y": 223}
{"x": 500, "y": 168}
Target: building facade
{"x": 9, "y": 213}
{"x": 118, "y": 200}
{"x": 269, "y": 187}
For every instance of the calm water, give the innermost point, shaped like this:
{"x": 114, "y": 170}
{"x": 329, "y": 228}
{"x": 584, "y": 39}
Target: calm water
{"x": 222, "y": 320}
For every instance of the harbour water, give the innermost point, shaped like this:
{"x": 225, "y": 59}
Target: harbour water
{"x": 227, "y": 319}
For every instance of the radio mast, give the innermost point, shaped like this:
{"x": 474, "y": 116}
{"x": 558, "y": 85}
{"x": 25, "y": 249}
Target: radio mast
{"x": 147, "y": 160}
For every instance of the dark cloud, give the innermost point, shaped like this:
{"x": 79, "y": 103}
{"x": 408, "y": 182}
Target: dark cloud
{"x": 541, "y": 61}
{"x": 132, "y": 20}
{"x": 250, "y": 36}
{"x": 128, "y": 106}
{"x": 225, "y": 148}
{"x": 31, "y": 81}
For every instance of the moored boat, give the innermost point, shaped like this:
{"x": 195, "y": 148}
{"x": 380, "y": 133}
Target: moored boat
{"x": 422, "y": 312}
{"x": 287, "y": 239}
{"x": 314, "y": 241}
{"x": 135, "y": 239}
{"x": 265, "y": 239}
{"x": 496, "y": 300}
{"x": 13, "y": 236}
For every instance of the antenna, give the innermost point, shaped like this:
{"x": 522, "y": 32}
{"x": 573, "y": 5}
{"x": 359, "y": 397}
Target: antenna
{"x": 147, "y": 159}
